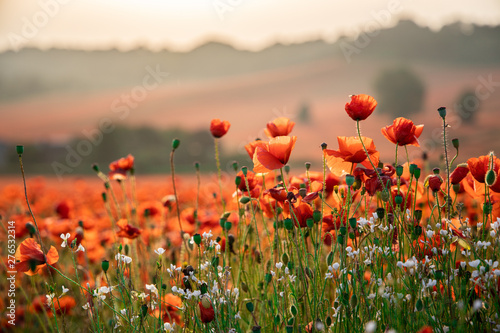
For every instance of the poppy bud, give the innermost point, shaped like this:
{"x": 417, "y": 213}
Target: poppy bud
{"x": 197, "y": 166}
{"x": 412, "y": 168}
{"x": 456, "y": 188}
{"x": 349, "y": 180}
{"x": 105, "y": 265}
{"x": 207, "y": 312}
{"x": 175, "y": 143}
{"x": 244, "y": 170}
{"x": 442, "y": 112}
{"x": 228, "y": 225}
{"x": 353, "y": 222}
{"x": 31, "y": 228}
{"x": 288, "y": 224}
{"x": 491, "y": 178}
{"x": 398, "y": 199}
{"x": 287, "y": 169}
{"x": 399, "y": 170}
{"x": 417, "y": 173}
{"x": 244, "y": 200}
{"x": 340, "y": 239}
{"x": 285, "y": 258}
{"x": 317, "y": 216}
{"x": 435, "y": 182}
{"x": 310, "y": 223}
{"x": 95, "y": 167}
{"x": 250, "y": 307}
{"x": 197, "y": 239}
{"x": 20, "y": 150}
{"x": 455, "y": 143}
{"x": 308, "y": 165}
{"x": 104, "y": 196}
{"x": 235, "y": 166}
{"x": 418, "y": 215}
{"x": 324, "y": 146}
{"x": 343, "y": 230}
{"x": 380, "y": 212}
{"x": 436, "y": 171}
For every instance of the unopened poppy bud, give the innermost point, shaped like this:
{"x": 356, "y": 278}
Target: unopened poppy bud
{"x": 343, "y": 231}
{"x": 436, "y": 171}
{"x": 354, "y": 301}
{"x": 95, "y": 167}
{"x": 244, "y": 170}
{"x": 308, "y": 165}
{"x": 222, "y": 222}
{"x": 105, "y": 265}
{"x": 317, "y": 216}
{"x": 455, "y": 143}
{"x": 310, "y": 223}
{"x": 324, "y": 146}
{"x": 268, "y": 278}
{"x": 284, "y": 258}
{"x": 237, "y": 180}
{"x": 340, "y": 239}
{"x": 456, "y": 188}
{"x": 442, "y": 112}
{"x": 353, "y": 222}
{"x": 197, "y": 166}
{"x": 384, "y": 195}
{"x": 20, "y": 150}
{"x": 399, "y": 170}
{"x": 235, "y": 166}
{"x": 398, "y": 199}
{"x": 352, "y": 235}
{"x": 288, "y": 224}
{"x": 418, "y": 215}
{"x": 197, "y": 239}
{"x": 144, "y": 310}
{"x": 380, "y": 212}
{"x": 425, "y": 156}
{"x": 104, "y": 196}
{"x": 349, "y": 180}
{"x": 302, "y": 192}
{"x": 175, "y": 143}
{"x": 336, "y": 189}
{"x": 412, "y": 168}
{"x": 31, "y": 228}
{"x": 491, "y": 178}
{"x": 228, "y": 225}
{"x": 417, "y": 173}
{"x": 287, "y": 169}
{"x": 244, "y": 200}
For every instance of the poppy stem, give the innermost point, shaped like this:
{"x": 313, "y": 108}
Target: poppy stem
{"x": 448, "y": 203}
{"x": 217, "y": 161}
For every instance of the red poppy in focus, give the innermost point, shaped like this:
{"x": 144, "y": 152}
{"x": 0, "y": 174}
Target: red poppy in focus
{"x": 279, "y": 127}
{"x": 274, "y": 155}
{"x": 403, "y": 132}
{"x": 120, "y": 167}
{"x": 30, "y": 258}
{"x": 278, "y": 193}
{"x": 361, "y": 106}
{"x": 250, "y": 148}
{"x": 219, "y": 128}
{"x": 459, "y": 173}
{"x": 127, "y": 230}
{"x": 207, "y": 313}
{"x": 480, "y": 166}
{"x": 350, "y": 153}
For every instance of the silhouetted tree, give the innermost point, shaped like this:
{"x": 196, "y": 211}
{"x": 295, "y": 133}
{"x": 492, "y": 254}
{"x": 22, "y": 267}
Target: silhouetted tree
{"x": 467, "y": 106}
{"x": 399, "y": 92}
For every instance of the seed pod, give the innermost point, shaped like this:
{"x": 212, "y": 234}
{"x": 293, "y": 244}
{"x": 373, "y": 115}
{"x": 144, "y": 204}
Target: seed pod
{"x": 491, "y": 178}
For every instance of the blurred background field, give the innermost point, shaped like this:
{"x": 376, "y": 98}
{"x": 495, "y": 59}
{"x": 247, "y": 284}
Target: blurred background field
{"x": 54, "y": 98}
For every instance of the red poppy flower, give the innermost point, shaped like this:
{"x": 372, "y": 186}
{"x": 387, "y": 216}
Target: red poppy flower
{"x": 207, "y": 313}
{"x": 350, "y": 153}
{"x": 127, "y": 230}
{"x": 360, "y": 107}
{"x": 435, "y": 182}
{"x": 274, "y": 155}
{"x": 426, "y": 329}
{"x": 459, "y": 173}
{"x": 278, "y": 193}
{"x": 30, "y": 258}
{"x": 480, "y": 166}
{"x": 403, "y": 132}
{"x": 120, "y": 167}
{"x": 302, "y": 213}
{"x": 219, "y": 128}
{"x": 279, "y": 127}
{"x": 250, "y": 148}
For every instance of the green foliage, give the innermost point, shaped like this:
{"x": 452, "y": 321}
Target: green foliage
{"x": 399, "y": 92}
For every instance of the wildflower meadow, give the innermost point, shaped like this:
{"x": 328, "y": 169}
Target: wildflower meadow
{"x": 347, "y": 243}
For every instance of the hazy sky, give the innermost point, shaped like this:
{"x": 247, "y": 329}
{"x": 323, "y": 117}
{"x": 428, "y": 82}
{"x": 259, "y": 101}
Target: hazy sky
{"x": 184, "y": 24}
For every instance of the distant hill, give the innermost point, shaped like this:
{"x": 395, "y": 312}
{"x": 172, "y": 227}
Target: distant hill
{"x": 32, "y": 72}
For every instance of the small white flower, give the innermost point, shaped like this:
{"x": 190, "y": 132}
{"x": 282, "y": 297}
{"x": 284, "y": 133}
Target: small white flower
{"x": 478, "y": 304}
{"x": 370, "y": 327}
{"x": 123, "y": 258}
{"x": 168, "y": 327}
{"x": 292, "y": 278}
{"x": 474, "y": 263}
{"x": 336, "y": 266}
{"x": 159, "y": 251}
{"x": 328, "y": 276}
{"x": 80, "y": 248}
{"x": 64, "y": 290}
{"x": 50, "y": 297}
{"x": 86, "y": 306}
{"x": 279, "y": 265}
{"x": 152, "y": 288}
{"x": 237, "y": 316}
{"x": 65, "y": 239}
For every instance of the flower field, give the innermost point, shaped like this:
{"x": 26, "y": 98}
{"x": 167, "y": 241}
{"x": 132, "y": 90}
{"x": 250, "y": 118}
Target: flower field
{"x": 348, "y": 243}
